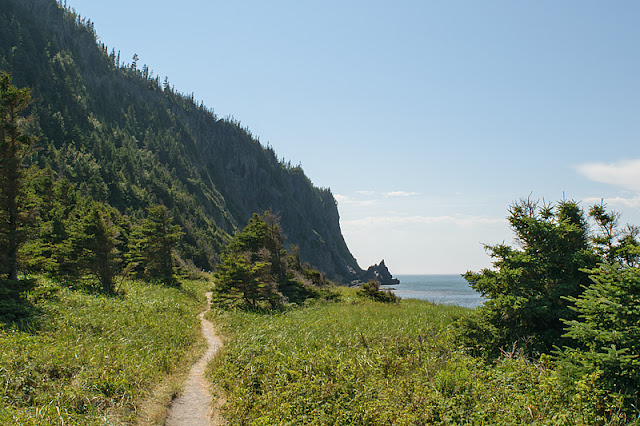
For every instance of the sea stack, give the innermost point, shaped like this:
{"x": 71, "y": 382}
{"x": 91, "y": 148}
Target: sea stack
{"x": 379, "y": 273}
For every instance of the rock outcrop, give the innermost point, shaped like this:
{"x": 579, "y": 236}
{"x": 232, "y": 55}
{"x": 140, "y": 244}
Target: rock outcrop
{"x": 379, "y": 273}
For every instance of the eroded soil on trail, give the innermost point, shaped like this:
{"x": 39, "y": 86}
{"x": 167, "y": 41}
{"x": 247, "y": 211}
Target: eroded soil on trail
{"x": 193, "y": 407}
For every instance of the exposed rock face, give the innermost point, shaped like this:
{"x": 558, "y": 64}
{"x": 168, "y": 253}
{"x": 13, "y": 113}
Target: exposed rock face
{"x": 379, "y": 273}
{"x": 148, "y": 144}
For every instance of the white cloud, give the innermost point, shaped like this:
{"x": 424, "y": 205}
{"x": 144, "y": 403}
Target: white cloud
{"x": 401, "y": 194}
{"x": 421, "y": 220}
{"x": 343, "y": 199}
{"x": 369, "y": 193}
{"x": 624, "y": 173}
{"x": 633, "y": 202}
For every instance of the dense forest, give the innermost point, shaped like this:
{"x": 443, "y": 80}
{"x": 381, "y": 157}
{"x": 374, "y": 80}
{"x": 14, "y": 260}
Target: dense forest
{"x": 112, "y": 131}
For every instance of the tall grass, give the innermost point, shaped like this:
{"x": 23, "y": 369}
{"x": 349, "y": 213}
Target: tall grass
{"x": 91, "y": 359}
{"x": 369, "y": 363}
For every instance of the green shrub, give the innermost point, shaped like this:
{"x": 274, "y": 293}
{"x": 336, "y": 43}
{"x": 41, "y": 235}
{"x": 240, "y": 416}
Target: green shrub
{"x": 373, "y": 291}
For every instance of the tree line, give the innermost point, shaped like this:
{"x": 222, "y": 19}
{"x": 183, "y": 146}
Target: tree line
{"x": 47, "y": 225}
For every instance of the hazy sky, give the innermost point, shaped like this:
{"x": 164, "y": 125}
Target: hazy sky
{"x": 426, "y": 119}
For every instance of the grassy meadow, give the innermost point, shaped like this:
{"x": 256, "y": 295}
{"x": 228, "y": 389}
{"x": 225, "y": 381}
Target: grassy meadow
{"x": 368, "y": 363}
{"x": 83, "y": 358}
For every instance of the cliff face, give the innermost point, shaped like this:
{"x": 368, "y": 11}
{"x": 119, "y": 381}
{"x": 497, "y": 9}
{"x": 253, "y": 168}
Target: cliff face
{"x": 125, "y": 138}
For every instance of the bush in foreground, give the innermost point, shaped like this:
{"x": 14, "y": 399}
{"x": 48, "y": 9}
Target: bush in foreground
{"x": 607, "y": 334}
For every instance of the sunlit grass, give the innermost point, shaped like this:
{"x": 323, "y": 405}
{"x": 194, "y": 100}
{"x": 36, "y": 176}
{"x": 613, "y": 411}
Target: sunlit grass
{"x": 360, "y": 362}
{"x": 92, "y": 359}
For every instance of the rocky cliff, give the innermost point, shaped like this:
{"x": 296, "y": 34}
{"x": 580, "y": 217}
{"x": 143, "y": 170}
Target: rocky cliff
{"x": 121, "y": 136}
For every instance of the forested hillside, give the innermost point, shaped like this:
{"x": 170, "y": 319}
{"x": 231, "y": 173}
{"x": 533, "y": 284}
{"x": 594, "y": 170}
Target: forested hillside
{"x": 116, "y": 132}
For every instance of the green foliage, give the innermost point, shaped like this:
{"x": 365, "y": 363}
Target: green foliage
{"x": 607, "y": 333}
{"x": 15, "y": 144}
{"x": 237, "y": 277}
{"x": 612, "y": 243}
{"x": 372, "y": 290}
{"x": 247, "y": 268}
{"x": 258, "y": 272}
{"x": 94, "y": 239}
{"x": 90, "y": 359}
{"x": 360, "y": 362}
{"x": 152, "y": 245}
{"x": 49, "y": 247}
{"x": 252, "y": 238}
{"x": 540, "y": 299}
{"x": 73, "y": 236}
{"x": 529, "y": 287}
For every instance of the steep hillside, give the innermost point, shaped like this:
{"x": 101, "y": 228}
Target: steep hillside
{"x": 125, "y": 137}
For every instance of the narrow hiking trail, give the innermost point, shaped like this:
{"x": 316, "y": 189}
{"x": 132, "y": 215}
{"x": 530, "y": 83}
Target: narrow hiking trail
{"x": 193, "y": 407}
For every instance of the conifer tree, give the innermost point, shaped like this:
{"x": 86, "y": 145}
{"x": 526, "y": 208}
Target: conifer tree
{"x": 257, "y": 270}
{"x": 238, "y": 277}
{"x": 247, "y": 269}
{"x": 95, "y": 241}
{"x": 153, "y": 243}
{"x": 529, "y": 286}
{"x": 15, "y": 144}
{"x": 607, "y": 332}
{"x": 612, "y": 243}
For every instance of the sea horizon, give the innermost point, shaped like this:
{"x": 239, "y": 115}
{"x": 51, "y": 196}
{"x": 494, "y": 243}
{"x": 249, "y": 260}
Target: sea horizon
{"x": 446, "y": 289}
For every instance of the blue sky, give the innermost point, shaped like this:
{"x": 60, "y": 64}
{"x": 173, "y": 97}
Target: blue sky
{"x": 426, "y": 119}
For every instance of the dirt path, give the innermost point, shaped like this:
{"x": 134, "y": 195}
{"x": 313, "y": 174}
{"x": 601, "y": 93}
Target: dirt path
{"x": 193, "y": 407}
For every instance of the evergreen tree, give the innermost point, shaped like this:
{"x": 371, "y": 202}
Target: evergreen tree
{"x": 237, "y": 277}
{"x": 94, "y": 240}
{"x": 607, "y": 332}
{"x": 252, "y": 238}
{"x": 612, "y": 243}
{"x": 257, "y": 270}
{"x": 527, "y": 290}
{"x": 246, "y": 270}
{"x": 153, "y": 243}
{"x": 15, "y": 144}
{"x": 274, "y": 243}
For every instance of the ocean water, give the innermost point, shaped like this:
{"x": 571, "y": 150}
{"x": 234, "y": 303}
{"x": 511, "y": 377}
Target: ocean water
{"x": 444, "y": 289}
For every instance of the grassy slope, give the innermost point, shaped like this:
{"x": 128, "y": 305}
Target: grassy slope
{"x": 359, "y": 362}
{"x": 91, "y": 359}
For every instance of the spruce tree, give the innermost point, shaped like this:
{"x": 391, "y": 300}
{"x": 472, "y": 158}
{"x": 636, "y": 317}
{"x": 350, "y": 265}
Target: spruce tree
{"x": 153, "y": 243}
{"x": 15, "y": 144}
{"x": 528, "y": 286}
{"x": 94, "y": 240}
{"x": 254, "y": 264}
{"x": 606, "y": 334}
